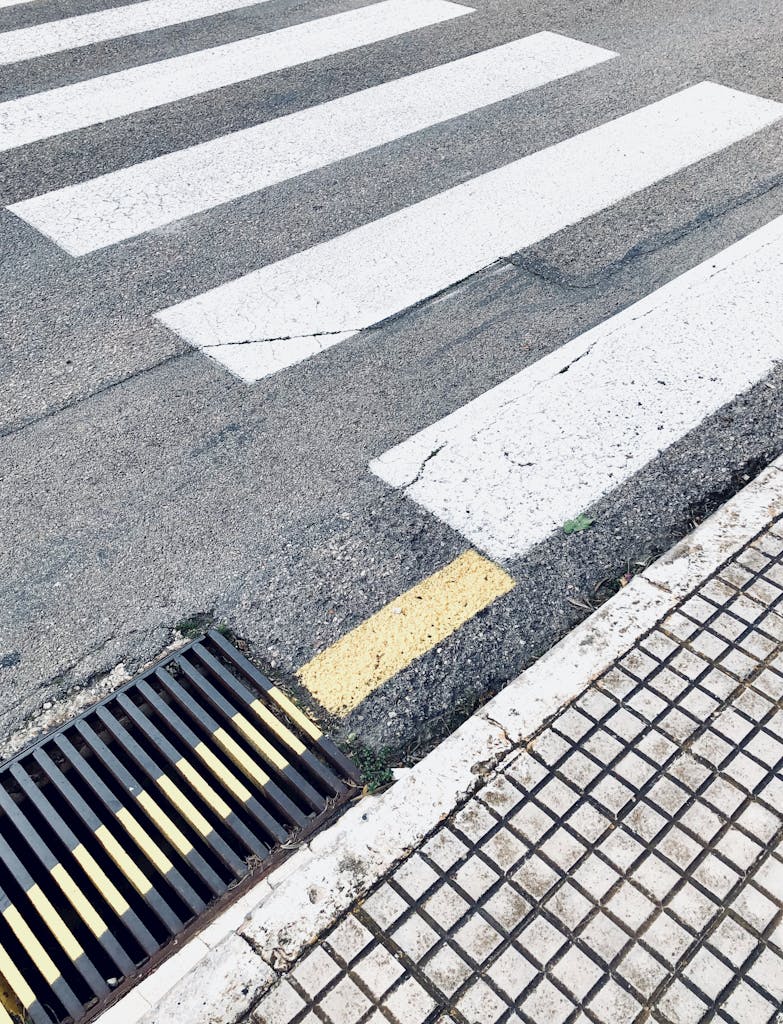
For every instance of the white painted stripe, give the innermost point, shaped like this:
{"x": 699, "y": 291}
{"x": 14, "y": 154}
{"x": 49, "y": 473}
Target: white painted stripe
{"x": 512, "y": 466}
{"x": 14, "y": 3}
{"x": 45, "y": 114}
{"x": 116, "y": 206}
{"x": 368, "y": 274}
{"x": 98, "y": 26}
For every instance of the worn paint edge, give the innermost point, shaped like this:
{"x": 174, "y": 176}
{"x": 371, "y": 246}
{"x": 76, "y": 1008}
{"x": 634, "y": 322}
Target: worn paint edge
{"x": 403, "y": 630}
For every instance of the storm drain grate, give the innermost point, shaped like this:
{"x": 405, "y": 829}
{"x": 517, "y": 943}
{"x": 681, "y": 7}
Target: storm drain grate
{"x": 119, "y": 829}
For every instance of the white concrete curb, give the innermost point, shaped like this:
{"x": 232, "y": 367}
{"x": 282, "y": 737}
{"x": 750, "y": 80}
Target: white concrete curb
{"x": 218, "y": 976}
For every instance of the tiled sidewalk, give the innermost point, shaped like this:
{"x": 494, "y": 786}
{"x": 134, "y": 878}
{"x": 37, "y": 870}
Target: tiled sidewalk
{"x": 626, "y": 865}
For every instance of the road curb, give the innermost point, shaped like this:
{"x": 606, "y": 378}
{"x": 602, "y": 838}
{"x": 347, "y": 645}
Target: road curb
{"x": 218, "y": 976}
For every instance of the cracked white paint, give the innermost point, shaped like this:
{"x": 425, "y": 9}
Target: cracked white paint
{"x": 96, "y": 27}
{"x": 45, "y": 114}
{"x": 253, "y": 360}
{"x": 362, "y": 277}
{"x": 84, "y": 217}
{"x": 511, "y": 466}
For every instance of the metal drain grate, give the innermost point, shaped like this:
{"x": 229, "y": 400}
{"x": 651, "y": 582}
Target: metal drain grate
{"x": 119, "y": 829}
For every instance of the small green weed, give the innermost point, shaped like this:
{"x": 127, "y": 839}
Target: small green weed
{"x": 577, "y": 525}
{"x": 374, "y": 765}
{"x": 191, "y": 628}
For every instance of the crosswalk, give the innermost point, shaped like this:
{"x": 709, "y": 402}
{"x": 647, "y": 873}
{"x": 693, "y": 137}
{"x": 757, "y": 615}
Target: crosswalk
{"x": 118, "y": 94}
{"x": 109, "y": 209}
{"x": 357, "y": 280}
{"x": 602, "y": 406}
{"x": 636, "y": 383}
{"x": 97, "y": 27}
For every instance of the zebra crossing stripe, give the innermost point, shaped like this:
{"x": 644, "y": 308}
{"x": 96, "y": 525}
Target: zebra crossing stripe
{"x": 67, "y": 108}
{"x": 362, "y": 277}
{"x": 513, "y": 465}
{"x": 98, "y": 26}
{"x": 116, "y": 206}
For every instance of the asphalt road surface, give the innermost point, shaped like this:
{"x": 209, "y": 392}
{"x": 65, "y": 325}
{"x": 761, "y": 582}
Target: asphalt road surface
{"x": 252, "y": 256}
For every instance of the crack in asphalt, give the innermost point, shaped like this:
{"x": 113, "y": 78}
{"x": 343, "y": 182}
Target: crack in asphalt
{"x": 282, "y": 337}
{"x": 433, "y": 454}
{"x": 548, "y": 273}
{"x": 513, "y": 400}
{"x": 31, "y": 421}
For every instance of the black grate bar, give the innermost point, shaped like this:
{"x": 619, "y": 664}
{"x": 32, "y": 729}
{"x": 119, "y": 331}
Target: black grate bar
{"x": 269, "y": 749}
{"x": 119, "y": 903}
{"x": 282, "y": 735}
{"x": 327, "y": 747}
{"x": 34, "y": 891}
{"x": 211, "y": 761}
{"x": 33, "y": 914}
{"x": 34, "y": 962}
{"x": 120, "y": 828}
{"x": 272, "y": 790}
{"x": 184, "y": 767}
{"x": 140, "y": 834}
{"x": 182, "y": 841}
{"x": 26, "y": 999}
{"x": 82, "y": 899}
{"x": 229, "y": 746}
{"x": 120, "y": 815}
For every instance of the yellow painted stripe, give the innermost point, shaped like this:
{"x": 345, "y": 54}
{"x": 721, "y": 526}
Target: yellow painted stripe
{"x": 100, "y": 879}
{"x": 257, "y": 741}
{"x": 183, "y": 805}
{"x": 79, "y": 901}
{"x": 55, "y": 923}
{"x": 281, "y": 731}
{"x": 299, "y": 718}
{"x": 24, "y": 935}
{"x": 245, "y": 764}
{"x": 222, "y": 772}
{"x": 203, "y": 788}
{"x": 144, "y": 841}
{"x": 405, "y": 629}
{"x": 126, "y": 864}
{"x": 178, "y": 840}
{"x": 16, "y": 981}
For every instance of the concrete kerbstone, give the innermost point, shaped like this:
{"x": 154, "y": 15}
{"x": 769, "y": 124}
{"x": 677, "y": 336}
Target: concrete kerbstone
{"x": 579, "y": 658}
{"x": 368, "y": 840}
{"x": 715, "y": 540}
{"x": 220, "y": 990}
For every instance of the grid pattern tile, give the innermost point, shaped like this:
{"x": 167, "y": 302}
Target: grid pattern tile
{"x": 627, "y": 864}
